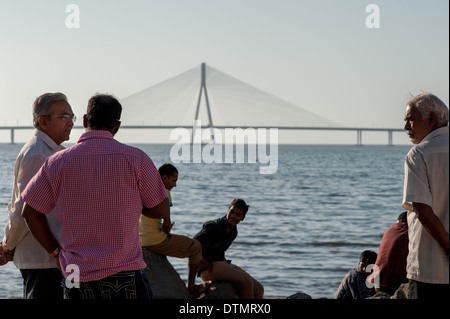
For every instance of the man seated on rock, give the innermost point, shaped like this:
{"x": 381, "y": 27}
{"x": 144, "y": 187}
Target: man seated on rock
{"x": 155, "y": 235}
{"x": 392, "y": 255}
{"x": 216, "y": 236}
{"x": 354, "y": 286}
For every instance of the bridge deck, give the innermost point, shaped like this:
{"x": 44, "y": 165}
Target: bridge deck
{"x": 358, "y": 130}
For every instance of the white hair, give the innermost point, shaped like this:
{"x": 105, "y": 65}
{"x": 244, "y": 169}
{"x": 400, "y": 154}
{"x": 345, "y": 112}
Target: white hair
{"x": 42, "y": 104}
{"x": 427, "y": 103}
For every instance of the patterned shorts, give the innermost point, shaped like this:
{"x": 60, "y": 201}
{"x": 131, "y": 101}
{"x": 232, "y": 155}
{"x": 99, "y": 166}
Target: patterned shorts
{"x": 123, "y": 285}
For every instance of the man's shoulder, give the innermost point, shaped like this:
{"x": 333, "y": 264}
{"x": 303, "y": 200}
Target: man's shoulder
{"x": 423, "y": 152}
{"x": 32, "y": 149}
{"x": 126, "y": 149}
{"x": 415, "y": 153}
{"x": 99, "y": 146}
{"x": 214, "y": 225}
{"x": 216, "y": 221}
{"x": 133, "y": 150}
{"x": 437, "y": 141}
{"x": 395, "y": 231}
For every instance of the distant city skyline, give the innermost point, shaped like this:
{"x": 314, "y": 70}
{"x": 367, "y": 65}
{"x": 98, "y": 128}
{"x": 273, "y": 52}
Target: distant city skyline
{"x": 353, "y": 62}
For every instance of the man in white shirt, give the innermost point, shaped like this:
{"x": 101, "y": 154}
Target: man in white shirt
{"x": 426, "y": 197}
{"x": 53, "y": 119}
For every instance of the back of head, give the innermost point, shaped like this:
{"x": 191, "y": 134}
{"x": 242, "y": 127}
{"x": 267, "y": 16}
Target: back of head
{"x": 427, "y": 103}
{"x": 167, "y": 169}
{"x": 368, "y": 257}
{"x": 402, "y": 218}
{"x": 42, "y": 105}
{"x": 103, "y": 112}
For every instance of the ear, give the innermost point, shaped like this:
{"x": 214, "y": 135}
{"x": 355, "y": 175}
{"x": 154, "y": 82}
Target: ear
{"x": 42, "y": 120}
{"x": 432, "y": 118}
{"x": 116, "y": 128}
{"x": 85, "y": 122}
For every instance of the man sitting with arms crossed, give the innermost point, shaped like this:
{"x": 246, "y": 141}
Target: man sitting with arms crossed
{"x": 155, "y": 235}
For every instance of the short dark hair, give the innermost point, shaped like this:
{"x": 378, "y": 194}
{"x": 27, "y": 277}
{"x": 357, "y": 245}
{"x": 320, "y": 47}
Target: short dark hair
{"x": 402, "y": 218}
{"x": 103, "y": 112}
{"x": 167, "y": 169}
{"x": 368, "y": 257}
{"x": 238, "y": 202}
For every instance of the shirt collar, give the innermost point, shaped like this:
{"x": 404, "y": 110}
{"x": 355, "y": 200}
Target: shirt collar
{"x": 224, "y": 222}
{"x": 435, "y": 133}
{"x": 47, "y": 140}
{"x": 94, "y": 134}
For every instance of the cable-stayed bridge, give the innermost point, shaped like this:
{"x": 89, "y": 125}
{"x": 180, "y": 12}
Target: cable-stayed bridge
{"x": 219, "y": 101}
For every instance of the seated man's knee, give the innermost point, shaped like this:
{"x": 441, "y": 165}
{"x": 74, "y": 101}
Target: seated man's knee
{"x": 195, "y": 246}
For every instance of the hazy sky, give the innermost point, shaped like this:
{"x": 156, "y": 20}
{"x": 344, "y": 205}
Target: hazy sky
{"x": 317, "y": 54}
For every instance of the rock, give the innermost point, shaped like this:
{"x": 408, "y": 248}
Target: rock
{"x": 299, "y": 295}
{"x": 167, "y": 284}
{"x": 401, "y": 292}
{"x": 164, "y": 279}
{"x": 220, "y": 290}
{"x": 381, "y": 295}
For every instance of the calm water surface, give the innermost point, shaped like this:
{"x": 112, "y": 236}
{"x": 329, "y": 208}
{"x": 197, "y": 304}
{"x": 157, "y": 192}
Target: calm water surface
{"x": 306, "y": 226}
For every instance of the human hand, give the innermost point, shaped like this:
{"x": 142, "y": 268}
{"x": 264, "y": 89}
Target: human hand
{"x": 6, "y": 255}
{"x": 2, "y": 260}
{"x": 206, "y": 264}
{"x": 167, "y": 226}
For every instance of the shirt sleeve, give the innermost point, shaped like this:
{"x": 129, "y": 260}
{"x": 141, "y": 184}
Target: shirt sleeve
{"x": 207, "y": 233}
{"x": 16, "y": 228}
{"x": 416, "y": 186}
{"x": 39, "y": 192}
{"x": 151, "y": 186}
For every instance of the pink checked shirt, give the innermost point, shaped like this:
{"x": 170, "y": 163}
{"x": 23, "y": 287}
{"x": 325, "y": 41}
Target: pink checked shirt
{"x": 98, "y": 188}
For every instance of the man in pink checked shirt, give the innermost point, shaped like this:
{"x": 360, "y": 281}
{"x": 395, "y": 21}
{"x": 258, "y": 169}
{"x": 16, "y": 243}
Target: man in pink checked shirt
{"x": 99, "y": 188}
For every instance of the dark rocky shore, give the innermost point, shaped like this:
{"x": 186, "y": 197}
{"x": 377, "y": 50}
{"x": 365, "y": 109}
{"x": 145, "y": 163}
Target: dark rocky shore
{"x": 166, "y": 283}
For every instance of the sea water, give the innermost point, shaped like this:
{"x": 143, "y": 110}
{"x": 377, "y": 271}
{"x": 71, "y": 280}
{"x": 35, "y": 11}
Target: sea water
{"x": 307, "y": 223}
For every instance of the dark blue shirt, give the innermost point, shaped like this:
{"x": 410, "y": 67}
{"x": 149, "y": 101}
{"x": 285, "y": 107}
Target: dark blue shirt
{"x": 215, "y": 239}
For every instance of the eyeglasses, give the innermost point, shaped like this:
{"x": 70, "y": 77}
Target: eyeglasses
{"x": 65, "y": 117}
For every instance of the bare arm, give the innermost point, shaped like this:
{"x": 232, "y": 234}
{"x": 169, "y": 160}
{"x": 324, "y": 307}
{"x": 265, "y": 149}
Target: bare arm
{"x": 37, "y": 223}
{"x": 162, "y": 210}
{"x": 432, "y": 224}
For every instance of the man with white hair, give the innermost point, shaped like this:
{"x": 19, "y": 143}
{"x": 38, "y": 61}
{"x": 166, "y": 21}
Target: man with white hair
{"x": 426, "y": 197}
{"x": 53, "y": 119}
